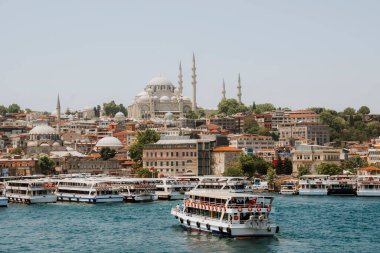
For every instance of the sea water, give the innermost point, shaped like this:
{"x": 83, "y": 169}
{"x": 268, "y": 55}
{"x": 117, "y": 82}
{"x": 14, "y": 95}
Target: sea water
{"x": 307, "y": 224}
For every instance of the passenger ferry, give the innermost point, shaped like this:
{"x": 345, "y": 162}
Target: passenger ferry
{"x": 368, "y": 186}
{"x": 226, "y": 213}
{"x": 88, "y": 190}
{"x": 171, "y": 188}
{"x": 342, "y": 185}
{"x": 135, "y": 189}
{"x": 315, "y": 185}
{"x": 31, "y": 191}
{"x": 3, "y": 197}
{"x": 233, "y": 184}
{"x": 288, "y": 188}
{"x": 259, "y": 185}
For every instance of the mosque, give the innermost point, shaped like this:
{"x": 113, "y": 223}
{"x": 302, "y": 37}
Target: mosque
{"x": 161, "y": 98}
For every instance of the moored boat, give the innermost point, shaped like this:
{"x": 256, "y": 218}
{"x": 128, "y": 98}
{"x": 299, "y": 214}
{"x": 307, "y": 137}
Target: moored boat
{"x": 3, "y": 197}
{"x": 313, "y": 185}
{"x": 288, "y": 188}
{"x": 135, "y": 189}
{"x": 342, "y": 185}
{"x": 88, "y": 190}
{"x": 368, "y": 186}
{"x": 227, "y": 213}
{"x": 31, "y": 191}
{"x": 231, "y": 184}
{"x": 172, "y": 189}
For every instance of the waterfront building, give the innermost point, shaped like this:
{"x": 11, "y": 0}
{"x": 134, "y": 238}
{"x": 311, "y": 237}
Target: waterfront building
{"x": 310, "y": 156}
{"x": 18, "y": 166}
{"x": 251, "y": 142}
{"x": 320, "y": 134}
{"x": 374, "y": 156}
{"x": 221, "y": 157}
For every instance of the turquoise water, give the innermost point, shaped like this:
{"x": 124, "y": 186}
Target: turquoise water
{"x": 307, "y": 224}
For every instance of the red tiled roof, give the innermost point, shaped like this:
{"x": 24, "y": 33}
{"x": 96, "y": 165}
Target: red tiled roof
{"x": 226, "y": 149}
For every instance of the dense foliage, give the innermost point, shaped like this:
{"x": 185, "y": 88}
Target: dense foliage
{"x": 111, "y": 108}
{"x": 13, "y": 108}
{"x": 107, "y": 153}
{"x": 329, "y": 169}
{"x": 146, "y": 173}
{"x": 146, "y": 137}
{"x": 46, "y": 165}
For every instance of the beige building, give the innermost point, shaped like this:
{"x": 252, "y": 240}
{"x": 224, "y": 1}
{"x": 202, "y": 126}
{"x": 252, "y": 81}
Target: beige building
{"x": 251, "y": 142}
{"x": 319, "y": 134}
{"x": 221, "y": 157}
{"x": 374, "y": 156}
{"x": 310, "y": 156}
{"x": 172, "y": 157}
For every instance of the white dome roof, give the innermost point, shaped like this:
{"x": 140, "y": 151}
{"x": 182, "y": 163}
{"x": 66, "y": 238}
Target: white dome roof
{"x": 164, "y": 99}
{"x": 168, "y": 116}
{"x": 110, "y": 142}
{"x": 144, "y": 98}
{"x": 155, "y": 98}
{"x": 119, "y": 116}
{"x": 186, "y": 98}
{"x": 143, "y": 93}
{"x": 159, "y": 81}
{"x": 174, "y": 98}
{"x": 42, "y": 129}
{"x": 56, "y": 144}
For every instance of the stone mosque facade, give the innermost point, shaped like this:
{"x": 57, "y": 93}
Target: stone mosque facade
{"x": 161, "y": 98}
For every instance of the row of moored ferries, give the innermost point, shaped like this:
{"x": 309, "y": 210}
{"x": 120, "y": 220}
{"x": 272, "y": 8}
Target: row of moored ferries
{"x": 320, "y": 185}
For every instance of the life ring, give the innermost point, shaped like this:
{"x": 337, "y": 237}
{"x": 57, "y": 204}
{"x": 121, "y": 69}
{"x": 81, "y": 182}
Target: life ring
{"x": 236, "y": 217}
{"x": 258, "y": 208}
{"x": 225, "y": 209}
{"x": 269, "y": 209}
{"x": 250, "y": 208}
{"x": 240, "y": 209}
{"x": 208, "y": 226}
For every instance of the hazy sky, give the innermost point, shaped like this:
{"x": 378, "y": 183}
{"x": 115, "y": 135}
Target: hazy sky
{"x": 290, "y": 53}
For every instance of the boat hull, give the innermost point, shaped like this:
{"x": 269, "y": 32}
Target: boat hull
{"x": 340, "y": 192}
{"x": 92, "y": 200}
{"x": 364, "y": 193}
{"x": 219, "y": 228}
{"x": 313, "y": 192}
{"x": 3, "y": 201}
{"x": 32, "y": 200}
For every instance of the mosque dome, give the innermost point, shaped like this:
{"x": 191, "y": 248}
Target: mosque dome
{"x": 186, "y": 98}
{"x": 174, "y": 98}
{"x": 143, "y": 93}
{"x": 42, "y": 129}
{"x": 44, "y": 145}
{"x": 56, "y": 144}
{"x": 168, "y": 116}
{"x": 156, "y": 98}
{"x": 164, "y": 99}
{"x": 159, "y": 81}
{"x": 143, "y": 99}
{"x": 119, "y": 117}
{"x": 110, "y": 142}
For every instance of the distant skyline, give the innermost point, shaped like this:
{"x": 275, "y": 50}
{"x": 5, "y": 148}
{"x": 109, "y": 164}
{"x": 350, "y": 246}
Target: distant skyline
{"x": 295, "y": 54}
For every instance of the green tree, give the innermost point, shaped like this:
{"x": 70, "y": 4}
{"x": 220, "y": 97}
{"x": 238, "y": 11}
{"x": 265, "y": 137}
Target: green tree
{"x": 251, "y": 127}
{"x": 191, "y": 115}
{"x": 364, "y": 110}
{"x": 271, "y": 173}
{"x": 143, "y": 138}
{"x": 231, "y": 106}
{"x": 3, "y": 110}
{"x": 107, "y": 153}
{"x": 302, "y": 170}
{"x": 14, "y": 108}
{"x": 329, "y": 169}
{"x": 146, "y": 173}
{"x": 260, "y": 166}
{"x": 287, "y": 166}
{"x": 353, "y": 163}
{"x": 27, "y": 110}
{"x": 46, "y": 165}
{"x": 266, "y": 107}
{"x": 111, "y": 108}
{"x": 233, "y": 170}
{"x": 349, "y": 111}
{"x": 246, "y": 164}
{"x": 279, "y": 167}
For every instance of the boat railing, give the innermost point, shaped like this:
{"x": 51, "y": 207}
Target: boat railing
{"x": 231, "y": 205}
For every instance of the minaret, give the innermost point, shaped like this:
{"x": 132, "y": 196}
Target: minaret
{"x": 239, "y": 90}
{"x": 194, "y": 83}
{"x": 58, "y": 116}
{"x": 180, "y": 82}
{"x": 224, "y": 90}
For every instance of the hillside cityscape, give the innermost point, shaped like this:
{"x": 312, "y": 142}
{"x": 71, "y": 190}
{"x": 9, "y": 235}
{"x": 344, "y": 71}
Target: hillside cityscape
{"x": 164, "y": 133}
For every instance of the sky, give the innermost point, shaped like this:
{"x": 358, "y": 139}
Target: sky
{"x": 295, "y": 54}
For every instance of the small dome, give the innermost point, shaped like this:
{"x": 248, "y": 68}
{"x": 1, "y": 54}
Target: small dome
{"x": 44, "y": 145}
{"x": 110, "y": 142}
{"x": 143, "y": 93}
{"x": 164, "y": 99}
{"x": 42, "y": 129}
{"x": 186, "y": 98}
{"x": 56, "y": 144}
{"x": 143, "y": 99}
{"x": 119, "y": 117}
{"x": 168, "y": 116}
{"x": 160, "y": 81}
{"x": 174, "y": 98}
{"x": 156, "y": 98}
{"x": 54, "y": 113}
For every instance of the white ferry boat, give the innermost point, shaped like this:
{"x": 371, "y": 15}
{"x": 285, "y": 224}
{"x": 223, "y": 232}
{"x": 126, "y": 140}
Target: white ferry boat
{"x": 135, "y": 189}
{"x": 259, "y": 185}
{"x": 232, "y": 184}
{"x": 3, "y": 197}
{"x": 31, "y": 191}
{"x": 88, "y": 190}
{"x": 226, "y": 213}
{"x": 368, "y": 186}
{"x": 172, "y": 189}
{"x": 342, "y": 185}
{"x": 315, "y": 185}
{"x": 288, "y": 188}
